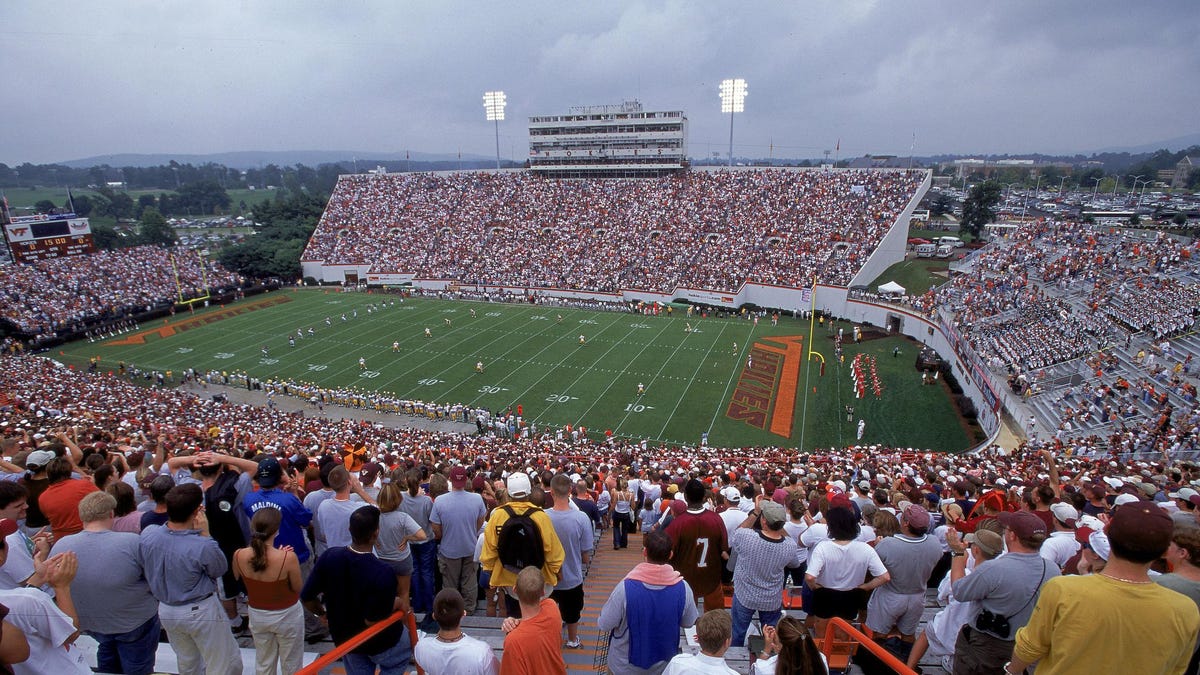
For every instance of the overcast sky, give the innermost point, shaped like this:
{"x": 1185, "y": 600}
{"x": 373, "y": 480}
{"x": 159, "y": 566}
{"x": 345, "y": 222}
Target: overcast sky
{"x": 84, "y": 78}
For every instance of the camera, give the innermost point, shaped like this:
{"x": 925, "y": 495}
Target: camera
{"x": 996, "y": 624}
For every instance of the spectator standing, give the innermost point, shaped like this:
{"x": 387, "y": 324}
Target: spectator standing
{"x": 59, "y": 502}
{"x": 1061, "y": 545}
{"x": 182, "y": 565}
{"x": 699, "y": 546}
{"x": 1184, "y": 556}
{"x": 424, "y": 554}
{"x": 333, "y": 515}
{"x": 451, "y": 651}
{"x": 713, "y": 632}
{"x": 909, "y": 557}
{"x": 114, "y": 601}
{"x": 1143, "y": 625}
{"x": 312, "y": 502}
{"x": 531, "y": 646}
{"x": 551, "y": 551}
{"x": 50, "y": 626}
{"x": 838, "y": 566}
{"x": 646, "y": 611}
{"x": 763, "y": 557}
{"x": 622, "y": 513}
{"x": 160, "y": 485}
{"x": 1005, "y": 591}
{"x": 397, "y": 531}
{"x": 574, "y": 531}
{"x": 355, "y": 589}
{"x": 18, "y": 568}
{"x": 456, "y": 518}
{"x": 35, "y": 482}
{"x": 272, "y": 579}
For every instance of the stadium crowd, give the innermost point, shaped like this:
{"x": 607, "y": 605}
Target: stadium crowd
{"x": 82, "y": 451}
{"x": 712, "y": 230}
{"x": 47, "y": 296}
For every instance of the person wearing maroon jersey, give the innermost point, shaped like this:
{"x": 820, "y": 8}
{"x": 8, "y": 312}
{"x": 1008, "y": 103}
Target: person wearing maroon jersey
{"x": 700, "y": 547}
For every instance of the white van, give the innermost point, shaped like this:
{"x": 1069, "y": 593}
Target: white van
{"x": 925, "y": 250}
{"x": 953, "y": 242}
{"x": 945, "y": 251}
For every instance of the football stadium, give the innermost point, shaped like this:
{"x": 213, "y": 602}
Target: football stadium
{"x": 614, "y": 408}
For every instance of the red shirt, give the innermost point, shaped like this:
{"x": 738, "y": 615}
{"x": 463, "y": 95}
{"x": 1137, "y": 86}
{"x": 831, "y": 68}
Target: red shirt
{"x": 60, "y": 504}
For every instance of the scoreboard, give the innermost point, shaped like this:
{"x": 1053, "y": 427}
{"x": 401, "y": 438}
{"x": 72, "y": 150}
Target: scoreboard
{"x": 41, "y": 237}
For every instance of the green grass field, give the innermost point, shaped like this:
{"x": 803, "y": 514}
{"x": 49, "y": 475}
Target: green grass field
{"x": 532, "y": 359}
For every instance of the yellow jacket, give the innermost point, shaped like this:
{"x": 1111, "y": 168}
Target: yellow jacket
{"x": 490, "y": 558}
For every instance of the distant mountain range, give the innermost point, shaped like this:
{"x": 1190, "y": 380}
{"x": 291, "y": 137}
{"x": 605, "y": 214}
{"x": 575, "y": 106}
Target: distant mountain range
{"x": 1174, "y": 145}
{"x": 252, "y": 159}
{"x": 366, "y": 160}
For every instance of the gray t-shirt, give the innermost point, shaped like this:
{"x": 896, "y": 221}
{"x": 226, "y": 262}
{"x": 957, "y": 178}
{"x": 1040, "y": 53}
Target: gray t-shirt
{"x": 418, "y": 507}
{"x": 333, "y": 520}
{"x": 758, "y": 574}
{"x": 458, "y": 512}
{"x": 112, "y": 597}
{"x": 1006, "y": 586}
{"x": 574, "y": 530}
{"x": 910, "y": 561}
{"x": 394, "y": 526}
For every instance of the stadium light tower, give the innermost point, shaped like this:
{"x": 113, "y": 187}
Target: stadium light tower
{"x": 493, "y": 104}
{"x": 733, "y": 100}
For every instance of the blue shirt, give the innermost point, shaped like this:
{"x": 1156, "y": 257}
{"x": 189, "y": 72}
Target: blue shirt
{"x": 574, "y": 530}
{"x": 458, "y": 513}
{"x": 295, "y": 518}
{"x": 180, "y": 565}
{"x": 355, "y": 588}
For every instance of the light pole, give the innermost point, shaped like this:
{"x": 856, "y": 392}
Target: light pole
{"x": 493, "y": 104}
{"x": 1097, "y": 187}
{"x": 1025, "y": 201}
{"x": 1135, "y": 182}
{"x": 1061, "y": 183}
{"x": 733, "y": 100}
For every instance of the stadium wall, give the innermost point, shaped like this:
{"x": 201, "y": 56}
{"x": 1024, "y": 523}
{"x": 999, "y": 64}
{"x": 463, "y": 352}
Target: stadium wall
{"x": 976, "y": 386}
{"x": 891, "y": 249}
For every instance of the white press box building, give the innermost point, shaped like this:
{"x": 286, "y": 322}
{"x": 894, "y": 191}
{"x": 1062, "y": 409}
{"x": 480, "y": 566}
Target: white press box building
{"x": 608, "y": 141}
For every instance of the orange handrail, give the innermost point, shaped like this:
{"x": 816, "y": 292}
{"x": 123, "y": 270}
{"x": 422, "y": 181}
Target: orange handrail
{"x": 332, "y": 656}
{"x": 861, "y": 638}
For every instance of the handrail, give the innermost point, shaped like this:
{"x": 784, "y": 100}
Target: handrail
{"x": 861, "y": 638}
{"x": 332, "y": 656}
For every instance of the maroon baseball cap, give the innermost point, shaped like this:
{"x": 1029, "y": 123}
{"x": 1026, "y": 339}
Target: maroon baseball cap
{"x": 458, "y": 477}
{"x": 7, "y": 526}
{"x": 1023, "y": 523}
{"x": 916, "y": 517}
{"x": 1143, "y": 526}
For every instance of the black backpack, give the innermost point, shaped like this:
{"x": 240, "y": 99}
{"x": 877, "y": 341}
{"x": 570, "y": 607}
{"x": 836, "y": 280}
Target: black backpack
{"x": 519, "y": 544}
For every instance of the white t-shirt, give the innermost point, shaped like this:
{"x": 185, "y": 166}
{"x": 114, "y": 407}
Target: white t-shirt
{"x": 698, "y": 664}
{"x": 842, "y": 567}
{"x": 794, "y": 530}
{"x": 467, "y": 656}
{"x": 46, "y": 628}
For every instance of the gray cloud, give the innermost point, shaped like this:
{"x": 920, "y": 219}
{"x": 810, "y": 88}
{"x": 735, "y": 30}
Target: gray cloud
{"x": 89, "y": 78}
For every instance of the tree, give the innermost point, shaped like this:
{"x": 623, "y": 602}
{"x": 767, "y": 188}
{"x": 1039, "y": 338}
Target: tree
{"x": 154, "y": 229}
{"x": 44, "y": 206}
{"x": 979, "y": 208}
{"x": 106, "y": 237}
{"x": 83, "y": 205}
{"x": 941, "y": 205}
{"x": 1179, "y": 219}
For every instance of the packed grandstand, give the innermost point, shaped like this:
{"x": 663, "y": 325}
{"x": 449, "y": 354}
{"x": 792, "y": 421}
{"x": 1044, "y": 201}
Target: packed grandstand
{"x": 1087, "y": 328}
{"x": 715, "y": 230}
{"x": 1078, "y": 320}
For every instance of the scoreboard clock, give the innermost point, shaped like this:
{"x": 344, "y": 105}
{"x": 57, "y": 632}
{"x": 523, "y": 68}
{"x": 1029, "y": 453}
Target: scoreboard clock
{"x": 32, "y": 238}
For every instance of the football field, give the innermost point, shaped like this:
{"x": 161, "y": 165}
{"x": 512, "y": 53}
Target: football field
{"x": 742, "y": 384}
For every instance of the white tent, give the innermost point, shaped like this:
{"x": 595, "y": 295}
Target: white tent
{"x": 891, "y": 288}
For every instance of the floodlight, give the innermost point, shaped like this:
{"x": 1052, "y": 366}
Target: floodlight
{"x": 733, "y": 95}
{"x": 493, "y": 104}
{"x": 733, "y": 100}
